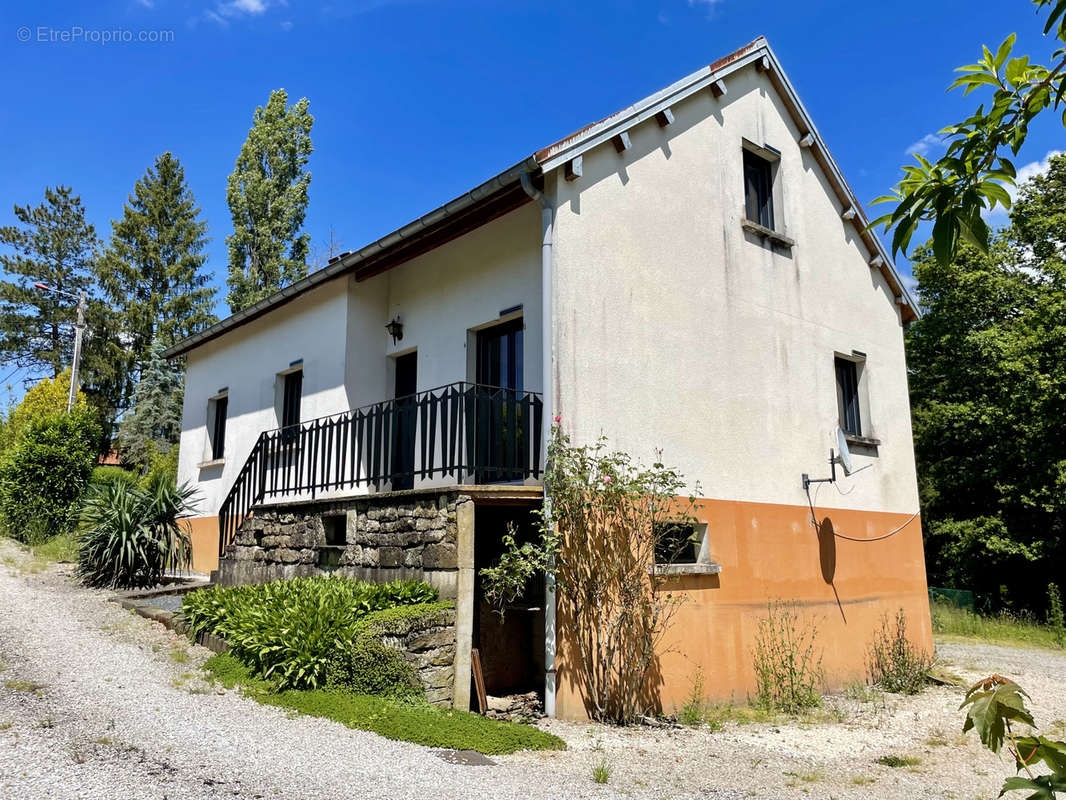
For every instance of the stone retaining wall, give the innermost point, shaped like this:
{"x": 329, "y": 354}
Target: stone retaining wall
{"x": 377, "y": 538}
{"x": 428, "y": 644}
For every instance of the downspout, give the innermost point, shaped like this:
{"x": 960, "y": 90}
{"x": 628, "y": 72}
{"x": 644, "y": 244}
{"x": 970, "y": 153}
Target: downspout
{"x": 547, "y": 218}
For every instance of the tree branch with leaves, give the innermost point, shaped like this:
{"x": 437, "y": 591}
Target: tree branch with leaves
{"x": 972, "y": 176}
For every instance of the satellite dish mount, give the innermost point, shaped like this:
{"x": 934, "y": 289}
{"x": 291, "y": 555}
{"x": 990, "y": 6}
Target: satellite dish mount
{"x": 841, "y": 456}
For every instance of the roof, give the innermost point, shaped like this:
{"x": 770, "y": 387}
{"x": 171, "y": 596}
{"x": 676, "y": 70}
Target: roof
{"x": 503, "y": 193}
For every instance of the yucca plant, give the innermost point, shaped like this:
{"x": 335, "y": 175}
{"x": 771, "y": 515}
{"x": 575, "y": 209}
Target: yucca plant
{"x": 130, "y": 535}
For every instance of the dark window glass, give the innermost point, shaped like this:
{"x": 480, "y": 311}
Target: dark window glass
{"x": 218, "y": 431}
{"x": 290, "y": 405}
{"x": 758, "y": 190}
{"x": 499, "y": 355}
{"x": 848, "y": 396}
{"x": 675, "y": 543}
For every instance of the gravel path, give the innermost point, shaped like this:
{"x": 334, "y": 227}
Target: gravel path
{"x": 98, "y": 703}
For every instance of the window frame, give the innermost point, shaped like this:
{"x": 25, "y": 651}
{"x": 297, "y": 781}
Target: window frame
{"x": 291, "y": 406}
{"x": 703, "y": 565}
{"x": 218, "y": 412}
{"x": 764, "y": 187}
{"x": 847, "y": 376}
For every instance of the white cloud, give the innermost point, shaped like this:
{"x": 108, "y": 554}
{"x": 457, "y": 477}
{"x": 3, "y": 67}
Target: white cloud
{"x": 222, "y": 13}
{"x": 707, "y": 5}
{"x": 147, "y": 3}
{"x": 286, "y": 26}
{"x": 924, "y": 145}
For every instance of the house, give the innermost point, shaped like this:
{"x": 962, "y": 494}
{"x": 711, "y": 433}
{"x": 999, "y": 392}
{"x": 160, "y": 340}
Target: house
{"x": 692, "y": 273}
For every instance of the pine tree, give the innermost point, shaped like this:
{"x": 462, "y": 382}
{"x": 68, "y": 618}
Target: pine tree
{"x": 53, "y": 244}
{"x": 153, "y": 424}
{"x": 152, "y": 272}
{"x": 267, "y": 196}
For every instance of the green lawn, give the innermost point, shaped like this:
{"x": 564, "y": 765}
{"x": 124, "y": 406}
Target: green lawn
{"x": 413, "y": 721}
{"x": 951, "y": 622}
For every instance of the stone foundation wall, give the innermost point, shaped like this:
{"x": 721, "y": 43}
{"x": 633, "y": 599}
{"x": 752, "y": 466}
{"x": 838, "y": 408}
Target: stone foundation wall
{"x": 377, "y": 538}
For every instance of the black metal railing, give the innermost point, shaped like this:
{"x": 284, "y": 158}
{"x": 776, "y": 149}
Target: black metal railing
{"x": 464, "y": 431}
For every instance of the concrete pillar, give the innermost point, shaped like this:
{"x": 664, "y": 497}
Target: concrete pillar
{"x": 464, "y": 601}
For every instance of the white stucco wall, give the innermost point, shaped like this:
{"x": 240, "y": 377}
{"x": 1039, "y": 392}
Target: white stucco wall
{"x": 464, "y": 285}
{"x": 338, "y": 330}
{"x": 677, "y": 330}
{"x": 313, "y": 328}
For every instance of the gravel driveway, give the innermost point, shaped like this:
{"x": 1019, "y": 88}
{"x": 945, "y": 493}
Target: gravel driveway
{"x": 98, "y": 703}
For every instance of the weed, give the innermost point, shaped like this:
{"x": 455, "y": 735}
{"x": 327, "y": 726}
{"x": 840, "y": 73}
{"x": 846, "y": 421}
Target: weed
{"x": 896, "y": 665}
{"x": 601, "y": 773}
{"x": 179, "y": 656}
{"x": 25, "y": 686}
{"x": 1055, "y": 618}
{"x": 863, "y": 693}
{"x": 104, "y": 740}
{"x": 692, "y": 713}
{"x": 895, "y": 761}
{"x": 862, "y": 780}
{"x": 47, "y": 722}
{"x": 809, "y": 776}
{"x": 717, "y": 716}
{"x": 788, "y": 668}
{"x": 937, "y": 738}
{"x": 4, "y": 726}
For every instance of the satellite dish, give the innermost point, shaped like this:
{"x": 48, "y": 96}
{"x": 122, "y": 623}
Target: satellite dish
{"x": 843, "y": 453}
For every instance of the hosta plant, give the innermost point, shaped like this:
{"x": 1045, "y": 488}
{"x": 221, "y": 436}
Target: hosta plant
{"x": 131, "y": 534}
{"x": 293, "y": 631}
{"x": 996, "y": 704}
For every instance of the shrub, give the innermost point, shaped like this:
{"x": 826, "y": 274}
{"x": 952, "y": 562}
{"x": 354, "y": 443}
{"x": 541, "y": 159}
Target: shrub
{"x": 600, "y": 539}
{"x": 368, "y": 666}
{"x": 896, "y": 665}
{"x": 304, "y": 631}
{"x": 46, "y": 398}
{"x": 163, "y": 465}
{"x": 44, "y": 474}
{"x": 110, "y": 474}
{"x": 787, "y": 668}
{"x": 130, "y": 535}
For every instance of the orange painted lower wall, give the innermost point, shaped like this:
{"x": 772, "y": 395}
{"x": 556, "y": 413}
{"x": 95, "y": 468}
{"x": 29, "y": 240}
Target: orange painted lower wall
{"x": 772, "y": 552}
{"x": 204, "y": 534}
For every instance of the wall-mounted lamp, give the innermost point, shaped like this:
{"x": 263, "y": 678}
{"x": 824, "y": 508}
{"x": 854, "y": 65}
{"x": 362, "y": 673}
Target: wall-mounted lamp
{"x": 395, "y": 329}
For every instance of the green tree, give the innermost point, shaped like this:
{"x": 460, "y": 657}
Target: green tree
{"x": 988, "y": 392}
{"x": 153, "y": 425}
{"x": 54, "y": 244}
{"x": 267, "y": 196}
{"x": 972, "y": 176}
{"x": 152, "y": 273}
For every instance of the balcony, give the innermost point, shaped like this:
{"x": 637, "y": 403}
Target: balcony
{"x": 461, "y": 433}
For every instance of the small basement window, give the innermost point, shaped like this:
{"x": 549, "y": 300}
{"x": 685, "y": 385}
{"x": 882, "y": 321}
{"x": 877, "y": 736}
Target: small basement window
{"x": 336, "y": 530}
{"x": 758, "y": 190}
{"x": 683, "y": 548}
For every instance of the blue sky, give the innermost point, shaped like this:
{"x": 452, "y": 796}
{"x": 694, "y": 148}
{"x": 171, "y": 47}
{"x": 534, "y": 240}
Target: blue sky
{"x": 415, "y": 102}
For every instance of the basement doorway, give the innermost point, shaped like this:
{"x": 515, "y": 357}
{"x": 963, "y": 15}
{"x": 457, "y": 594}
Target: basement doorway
{"x": 511, "y": 646}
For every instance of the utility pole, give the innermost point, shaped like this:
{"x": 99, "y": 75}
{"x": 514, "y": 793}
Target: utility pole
{"x": 79, "y": 330}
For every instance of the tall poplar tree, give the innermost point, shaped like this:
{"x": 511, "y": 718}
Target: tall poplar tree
{"x": 152, "y": 273}
{"x": 267, "y": 196}
{"x": 53, "y": 244}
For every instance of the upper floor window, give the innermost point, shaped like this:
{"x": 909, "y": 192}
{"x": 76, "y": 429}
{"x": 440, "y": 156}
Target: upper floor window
{"x": 758, "y": 189}
{"x": 292, "y": 391}
{"x": 848, "y": 396}
{"x": 217, "y": 411}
